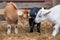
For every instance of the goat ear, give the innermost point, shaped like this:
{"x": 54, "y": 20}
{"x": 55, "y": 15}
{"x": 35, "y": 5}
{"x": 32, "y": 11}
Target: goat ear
{"x": 19, "y": 13}
{"x": 14, "y": 5}
{"x": 47, "y": 13}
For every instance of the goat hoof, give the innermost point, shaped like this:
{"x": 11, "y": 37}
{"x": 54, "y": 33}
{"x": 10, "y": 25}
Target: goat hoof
{"x": 38, "y": 31}
{"x": 8, "y": 31}
{"x": 31, "y": 31}
{"x": 16, "y": 31}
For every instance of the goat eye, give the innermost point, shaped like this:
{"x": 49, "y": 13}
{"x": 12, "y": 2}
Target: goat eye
{"x": 39, "y": 16}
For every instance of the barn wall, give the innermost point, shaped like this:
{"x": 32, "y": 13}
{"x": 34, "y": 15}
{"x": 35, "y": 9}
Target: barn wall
{"x": 55, "y": 2}
{"x": 58, "y": 1}
{"x": 28, "y": 4}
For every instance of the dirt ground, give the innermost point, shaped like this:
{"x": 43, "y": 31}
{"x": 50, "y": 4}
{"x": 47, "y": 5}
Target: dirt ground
{"x": 24, "y": 34}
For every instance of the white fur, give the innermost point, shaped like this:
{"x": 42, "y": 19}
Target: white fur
{"x": 19, "y": 13}
{"x": 16, "y": 30}
{"x": 54, "y": 16}
{"x": 8, "y": 29}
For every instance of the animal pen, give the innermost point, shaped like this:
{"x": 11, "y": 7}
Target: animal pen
{"x": 24, "y": 34}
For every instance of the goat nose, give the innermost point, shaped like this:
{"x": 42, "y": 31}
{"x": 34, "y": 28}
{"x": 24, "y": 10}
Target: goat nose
{"x": 36, "y": 21}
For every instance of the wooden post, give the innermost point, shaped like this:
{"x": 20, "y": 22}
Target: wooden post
{"x": 58, "y": 2}
{"x": 54, "y": 2}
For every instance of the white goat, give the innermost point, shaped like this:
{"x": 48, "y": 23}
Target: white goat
{"x": 53, "y": 15}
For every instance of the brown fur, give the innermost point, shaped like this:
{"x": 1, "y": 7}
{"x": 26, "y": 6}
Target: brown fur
{"x": 25, "y": 14}
{"x": 24, "y": 18}
{"x": 11, "y": 13}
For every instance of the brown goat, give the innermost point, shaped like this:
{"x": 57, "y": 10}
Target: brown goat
{"x": 11, "y": 16}
{"x": 23, "y": 17}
